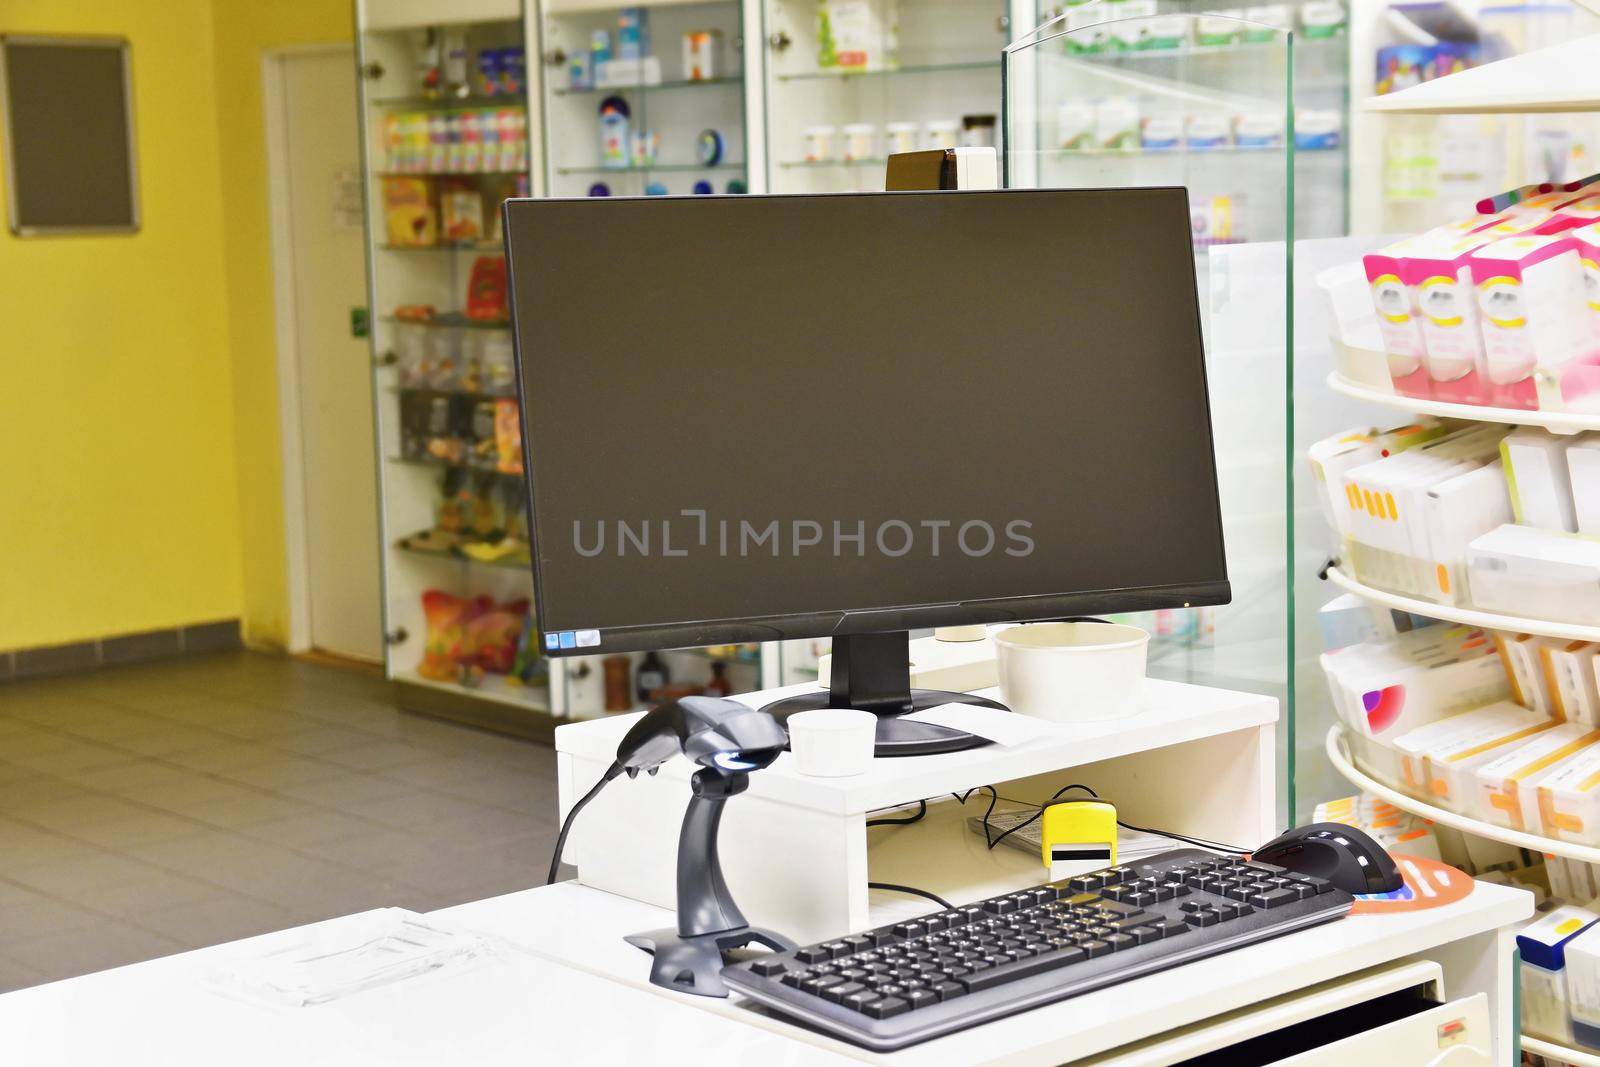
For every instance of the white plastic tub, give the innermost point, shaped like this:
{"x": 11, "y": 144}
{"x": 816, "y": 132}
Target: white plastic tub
{"x": 1072, "y": 671}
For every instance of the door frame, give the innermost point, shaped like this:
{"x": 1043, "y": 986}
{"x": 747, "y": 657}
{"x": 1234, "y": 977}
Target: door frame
{"x": 296, "y": 528}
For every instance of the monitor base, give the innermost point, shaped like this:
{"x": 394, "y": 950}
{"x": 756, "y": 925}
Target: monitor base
{"x": 896, "y": 736}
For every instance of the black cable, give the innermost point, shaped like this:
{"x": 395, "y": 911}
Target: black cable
{"x": 936, "y": 898}
{"x": 922, "y": 809}
{"x": 561, "y": 839}
{"x": 1030, "y": 820}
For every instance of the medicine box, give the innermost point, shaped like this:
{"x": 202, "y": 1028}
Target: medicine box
{"x": 1539, "y": 479}
{"x": 1523, "y": 571}
{"x": 1386, "y": 688}
{"x": 1531, "y": 683}
{"x": 1583, "y": 470}
{"x": 1569, "y": 668}
{"x": 1533, "y": 315}
{"x": 1506, "y": 792}
{"x": 1569, "y": 810}
{"x": 1435, "y": 271}
{"x": 1587, "y": 238}
{"x": 1543, "y": 944}
{"x": 1582, "y": 953}
{"x": 1437, "y": 760}
{"x": 1399, "y": 320}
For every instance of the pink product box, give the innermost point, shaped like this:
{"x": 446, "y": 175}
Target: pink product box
{"x": 1436, "y": 274}
{"x": 1399, "y": 321}
{"x": 1588, "y": 240}
{"x": 1583, "y": 210}
{"x": 1532, "y": 315}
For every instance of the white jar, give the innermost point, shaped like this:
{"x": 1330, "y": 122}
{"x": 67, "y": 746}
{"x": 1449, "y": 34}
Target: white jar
{"x": 860, "y": 141}
{"x": 941, "y": 133}
{"x": 1072, "y": 671}
{"x": 901, "y": 137}
{"x": 819, "y": 143}
{"x": 832, "y": 742}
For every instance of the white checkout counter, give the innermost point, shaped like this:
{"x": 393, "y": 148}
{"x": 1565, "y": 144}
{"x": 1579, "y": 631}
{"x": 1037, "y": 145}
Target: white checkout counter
{"x": 566, "y": 989}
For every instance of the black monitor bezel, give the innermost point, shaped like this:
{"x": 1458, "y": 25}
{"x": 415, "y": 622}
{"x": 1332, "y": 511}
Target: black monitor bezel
{"x": 801, "y": 625}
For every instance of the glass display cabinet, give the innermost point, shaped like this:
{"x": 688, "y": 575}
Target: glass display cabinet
{"x": 1101, "y": 97}
{"x": 449, "y": 133}
{"x": 850, "y": 82}
{"x": 644, "y": 99}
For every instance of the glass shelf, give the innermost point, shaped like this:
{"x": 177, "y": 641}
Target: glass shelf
{"x": 835, "y": 73}
{"x": 1099, "y": 154}
{"x": 1192, "y": 51}
{"x": 450, "y": 173}
{"x": 460, "y": 103}
{"x": 699, "y": 83}
{"x": 513, "y": 563}
{"x": 424, "y": 390}
{"x": 865, "y": 162}
{"x": 450, "y": 320}
{"x": 663, "y": 167}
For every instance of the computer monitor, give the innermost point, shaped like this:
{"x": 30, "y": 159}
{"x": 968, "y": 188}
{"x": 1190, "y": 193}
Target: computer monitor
{"x": 753, "y": 418}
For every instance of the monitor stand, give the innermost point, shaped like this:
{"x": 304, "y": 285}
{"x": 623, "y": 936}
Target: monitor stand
{"x": 872, "y": 672}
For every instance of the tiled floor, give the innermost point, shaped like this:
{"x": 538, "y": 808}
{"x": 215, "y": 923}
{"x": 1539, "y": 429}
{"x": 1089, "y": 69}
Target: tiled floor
{"x": 147, "y": 810}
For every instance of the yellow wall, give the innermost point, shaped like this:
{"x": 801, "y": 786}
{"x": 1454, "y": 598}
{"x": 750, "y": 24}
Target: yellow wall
{"x": 118, "y": 493}
{"x": 140, "y": 484}
{"x": 244, "y": 30}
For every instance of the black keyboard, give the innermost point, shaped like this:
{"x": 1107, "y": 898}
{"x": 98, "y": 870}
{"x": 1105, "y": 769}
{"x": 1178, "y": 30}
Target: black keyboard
{"x": 921, "y": 978}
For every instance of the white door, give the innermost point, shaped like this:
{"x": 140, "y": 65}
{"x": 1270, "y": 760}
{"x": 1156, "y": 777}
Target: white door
{"x": 319, "y": 218}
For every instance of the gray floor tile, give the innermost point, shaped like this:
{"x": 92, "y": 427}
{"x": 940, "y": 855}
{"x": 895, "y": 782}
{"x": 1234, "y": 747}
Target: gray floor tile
{"x": 14, "y": 975}
{"x": 105, "y": 944}
{"x": 150, "y": 808}
{"x": 228, "y": 917}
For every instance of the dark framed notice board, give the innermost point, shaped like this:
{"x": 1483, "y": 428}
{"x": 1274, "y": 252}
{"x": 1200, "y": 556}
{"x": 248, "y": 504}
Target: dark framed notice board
{"x": 66, "y": 104}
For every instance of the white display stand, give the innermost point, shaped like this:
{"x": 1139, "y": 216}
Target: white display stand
{"x": 798, "y": 854}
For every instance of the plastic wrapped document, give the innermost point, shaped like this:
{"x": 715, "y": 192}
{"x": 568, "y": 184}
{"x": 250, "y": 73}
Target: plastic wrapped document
{"x": 349, "y": 956}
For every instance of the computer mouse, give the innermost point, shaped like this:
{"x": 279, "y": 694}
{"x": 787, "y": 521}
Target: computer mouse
{"x": 1343, "y": 855}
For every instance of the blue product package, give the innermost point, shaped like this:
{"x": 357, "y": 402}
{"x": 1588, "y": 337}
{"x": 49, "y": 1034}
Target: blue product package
{"x": 489, "y": 71}
{"x": 633, "y": 33}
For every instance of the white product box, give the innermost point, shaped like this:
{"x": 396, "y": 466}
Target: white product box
{"x": 1437, "y": 760}
{"x": 1436, "y": 271}
{"x": 1075, "y": 124}
{"x": 1399, "y": 319}
{"x": 1583, "y": 470}
{"x": 1543, "y": 946}
{"x": 1522, "y": 571}
{"x": 1219, "y": 27}
{"x": 1533, "y": 314}
{"x": 1569, "y": 669}
{"x": 1529, "y": 685}
{"x": 1386, "y": 688}
{"x": 1116, "y": 123}
{"x": 1583, "y": 986}
{"x": 1127, "y": 30}
{"x": 1539, "y": 479}
{"x": 1349, "y": 620}
{"x": 865, "y": 33}
{"x": 1588, "y": 239}
{"x": 623, "y": 73}
{"x": 1506, "y": 792}
{"x": 1569, "y": 810}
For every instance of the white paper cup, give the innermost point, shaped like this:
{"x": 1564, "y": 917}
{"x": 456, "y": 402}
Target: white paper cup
{"x": 832, "y": 742}
{"x": 1072, "y": 671}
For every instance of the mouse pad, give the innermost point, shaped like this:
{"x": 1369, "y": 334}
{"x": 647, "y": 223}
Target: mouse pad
{"x": 1428, "y": 884}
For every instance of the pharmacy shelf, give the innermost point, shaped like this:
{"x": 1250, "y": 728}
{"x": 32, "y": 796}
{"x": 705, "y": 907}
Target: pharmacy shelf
{"x": 838, "y": 73}
{"x": 1339, "y": 755}
{"x": 1555, "y": 79}
{"x": 652, "y": 168}
{"x": 1302, "y": 44}
{"x": 1563, "y": 422}
{"x": 443, "y": 103}
{"x": 649, "y": 87}
{"x": 1561, "y": 1053}
{"x": 1487, "y": 620}
{"x": 511, "y": 563}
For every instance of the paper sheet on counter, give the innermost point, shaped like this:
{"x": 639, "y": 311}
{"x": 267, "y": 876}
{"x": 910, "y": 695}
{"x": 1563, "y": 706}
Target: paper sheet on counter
{"x": 1002, "y": 727}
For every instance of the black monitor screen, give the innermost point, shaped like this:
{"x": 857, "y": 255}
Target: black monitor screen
{"x": 777, "y": 416}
